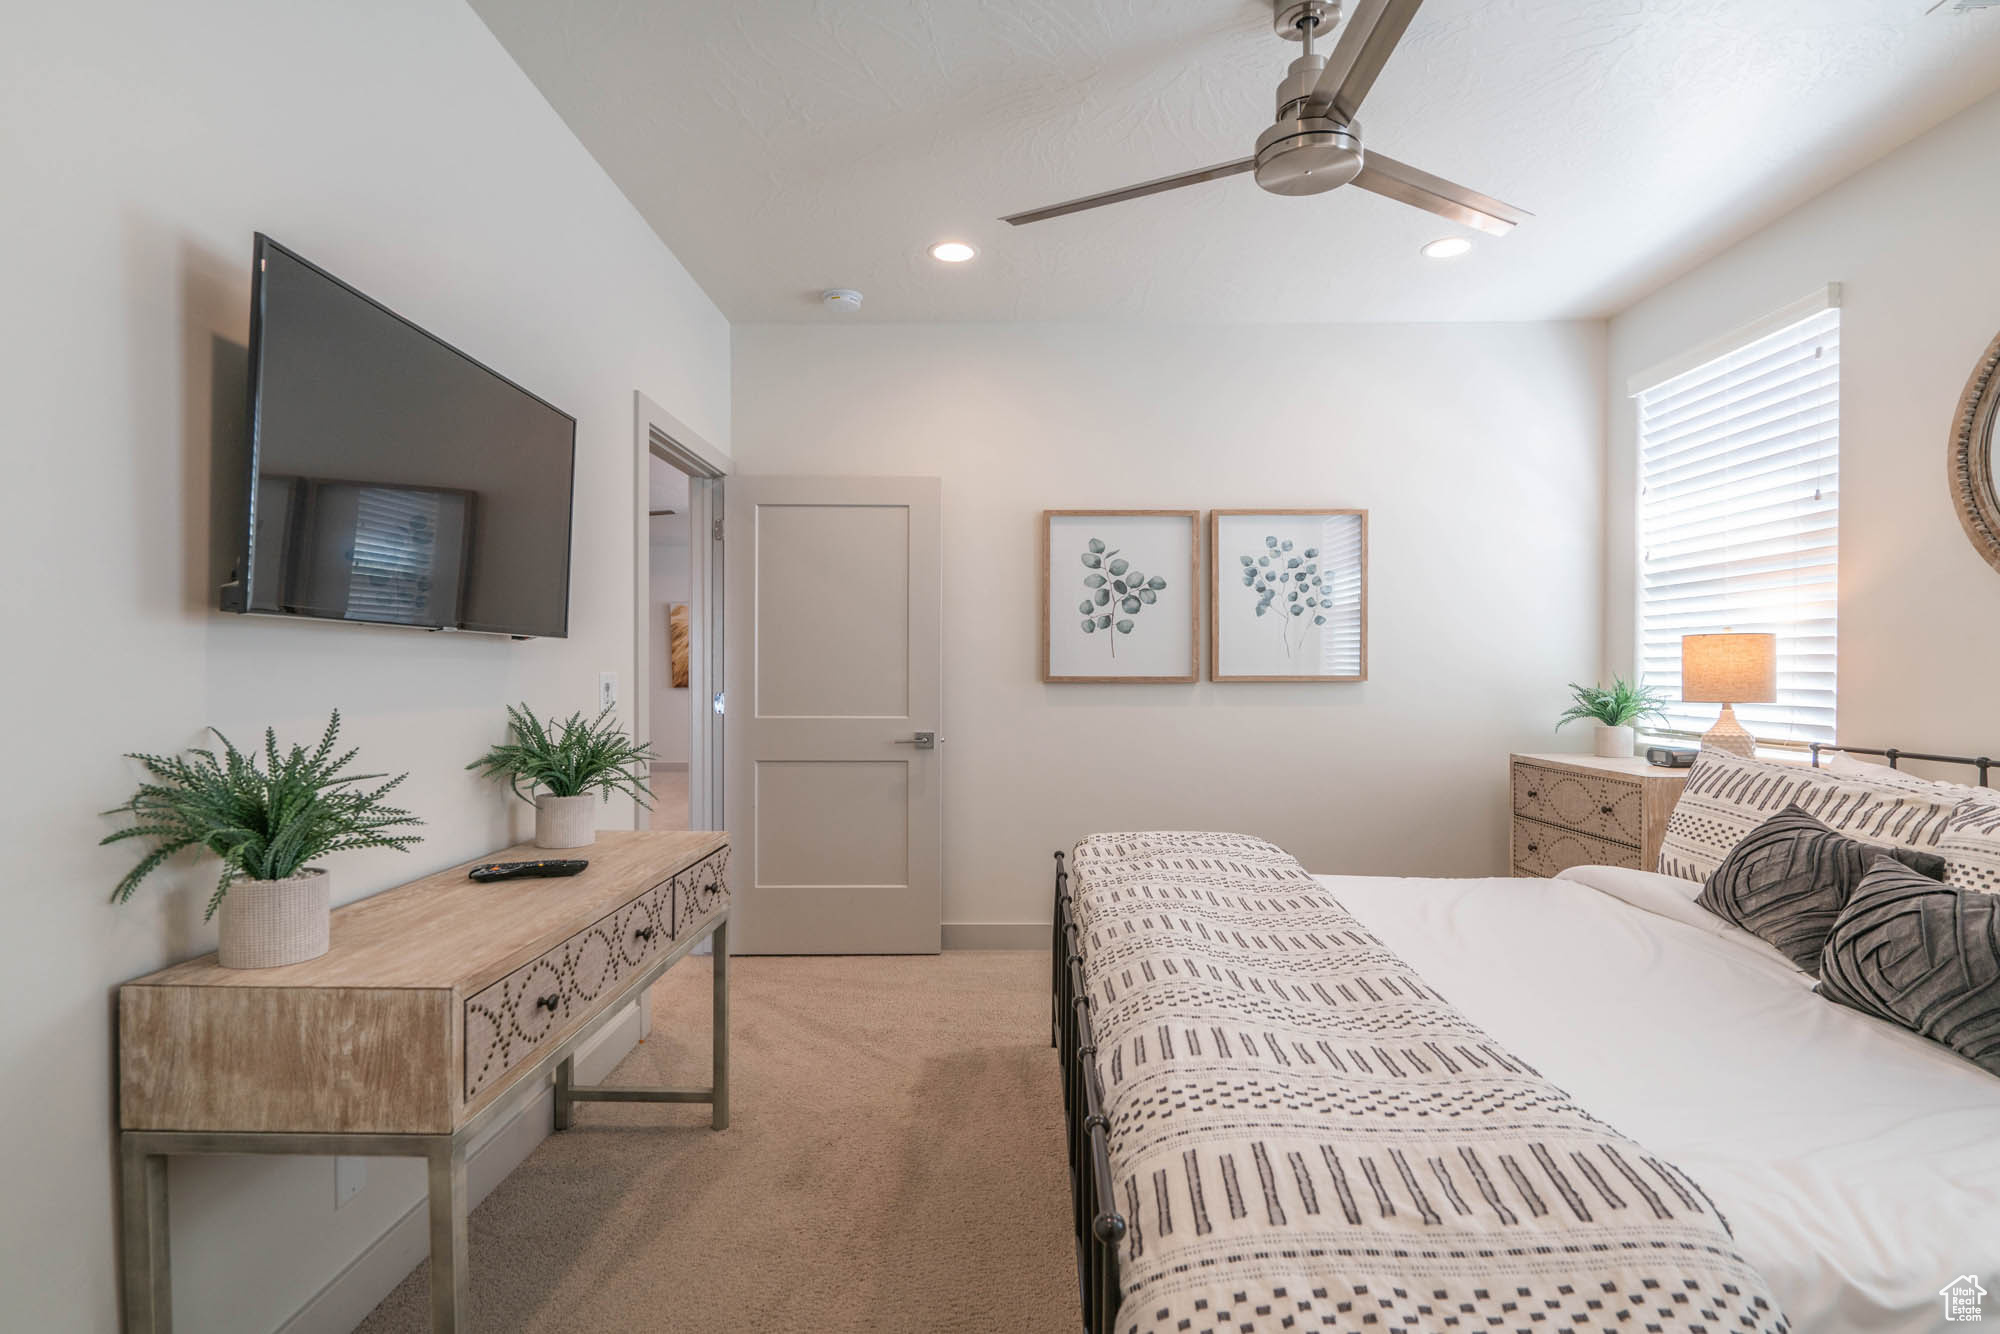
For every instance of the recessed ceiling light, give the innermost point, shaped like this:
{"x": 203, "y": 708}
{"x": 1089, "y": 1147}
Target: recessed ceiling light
{"x": 952, "y": 252}
{"x": 1447, "y": 247}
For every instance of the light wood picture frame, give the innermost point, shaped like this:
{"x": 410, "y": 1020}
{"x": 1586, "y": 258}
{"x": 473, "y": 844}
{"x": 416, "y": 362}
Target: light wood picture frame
{"x": 1142, "y": 594}
{"x": 677, "y": 645}
{"x": 1288, "y": 595}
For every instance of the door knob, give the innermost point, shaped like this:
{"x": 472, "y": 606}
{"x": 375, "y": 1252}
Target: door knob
{"x": 921, "y": 740}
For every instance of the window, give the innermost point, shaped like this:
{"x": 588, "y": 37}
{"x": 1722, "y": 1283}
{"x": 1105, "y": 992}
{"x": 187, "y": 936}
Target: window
{"x": 1739, "y": 504}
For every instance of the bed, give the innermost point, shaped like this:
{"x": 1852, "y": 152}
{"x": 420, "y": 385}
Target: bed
{"x": 1849, "y": 1167}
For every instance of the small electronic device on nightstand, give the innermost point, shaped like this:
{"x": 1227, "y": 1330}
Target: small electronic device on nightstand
{"x": 1670, "y": 757}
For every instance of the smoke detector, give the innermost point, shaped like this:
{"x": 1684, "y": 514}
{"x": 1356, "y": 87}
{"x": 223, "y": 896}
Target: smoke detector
{"x": 841, "y": 299}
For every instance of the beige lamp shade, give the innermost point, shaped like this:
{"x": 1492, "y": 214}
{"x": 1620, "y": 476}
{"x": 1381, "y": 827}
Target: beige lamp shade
{"x": 1729, "y": 669}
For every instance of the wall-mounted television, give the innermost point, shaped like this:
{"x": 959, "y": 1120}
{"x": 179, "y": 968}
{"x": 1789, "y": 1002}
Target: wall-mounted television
{"x": 393, "y": 479}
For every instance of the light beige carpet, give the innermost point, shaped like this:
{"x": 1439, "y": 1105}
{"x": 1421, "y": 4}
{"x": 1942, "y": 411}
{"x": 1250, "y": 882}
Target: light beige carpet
{"x": 895, "y": 1162}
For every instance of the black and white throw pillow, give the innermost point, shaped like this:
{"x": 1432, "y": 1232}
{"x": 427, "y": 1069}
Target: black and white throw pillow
{"x": 1921, "y": 954}
{"x": 1788, "y": 879}
{"x": 1727, "y": 796}
{"x": 1971, "y": 844}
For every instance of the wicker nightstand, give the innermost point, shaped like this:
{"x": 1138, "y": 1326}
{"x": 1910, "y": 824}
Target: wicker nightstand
{"x": 1579, "y": 810}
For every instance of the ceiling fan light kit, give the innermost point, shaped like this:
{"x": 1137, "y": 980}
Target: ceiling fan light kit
{"x": 1314, "y": 142}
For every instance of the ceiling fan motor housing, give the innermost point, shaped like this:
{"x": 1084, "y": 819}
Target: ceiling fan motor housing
{"x": 1305, "y": 153}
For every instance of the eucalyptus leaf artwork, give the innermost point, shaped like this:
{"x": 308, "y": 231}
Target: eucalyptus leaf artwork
{"x": 1120, "y": 593}
{"x": 1114, "y": 592}
{"x": 1291, "y": 591}
{"x": 1289, "y": 595}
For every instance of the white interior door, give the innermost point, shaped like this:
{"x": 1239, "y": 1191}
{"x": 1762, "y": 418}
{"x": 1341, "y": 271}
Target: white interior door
{"x": 834, "y": 665}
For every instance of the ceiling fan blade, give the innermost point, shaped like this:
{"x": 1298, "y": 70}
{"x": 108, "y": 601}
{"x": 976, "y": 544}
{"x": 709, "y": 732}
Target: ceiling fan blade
{"x": 1133, "y": 191}
{"x": 1407, "y": 185}
{"x": 1364, "y": 48}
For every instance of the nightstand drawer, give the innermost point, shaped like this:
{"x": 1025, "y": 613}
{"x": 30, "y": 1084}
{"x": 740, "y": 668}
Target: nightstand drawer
{"x": 1542, "y": 850}
{"x": 1604, "y": 808}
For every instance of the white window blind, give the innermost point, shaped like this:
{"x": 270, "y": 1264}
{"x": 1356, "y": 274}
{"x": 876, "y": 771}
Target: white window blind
{"x": 1739, "y": 470}
{"x": 395, "y": 548}
{"x": 1341, "y": 554}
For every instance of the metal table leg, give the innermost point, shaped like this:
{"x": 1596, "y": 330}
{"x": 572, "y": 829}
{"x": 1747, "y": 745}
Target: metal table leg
{"x": 149, "y": 1291}
{"x": 565, "y": 1081}
{"x": 450, "y": 1286}
{"x": 719, "y": 1021}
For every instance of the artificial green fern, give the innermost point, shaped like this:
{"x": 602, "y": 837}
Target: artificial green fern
{"x": 1622, "y": 704}
{"x": 265, "y": 823}
{"x": 570, "y": 758}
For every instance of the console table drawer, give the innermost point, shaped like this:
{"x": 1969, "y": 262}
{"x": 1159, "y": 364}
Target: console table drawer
{"x": 701, "y": 891}
{"x": 506, "y": 1022}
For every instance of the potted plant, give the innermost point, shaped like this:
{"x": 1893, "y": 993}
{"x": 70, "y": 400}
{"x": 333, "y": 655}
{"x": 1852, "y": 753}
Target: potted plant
{"x": 266, "y": 822}
{"x": 571, "y": 761}
{"x": 1617, "y": 710}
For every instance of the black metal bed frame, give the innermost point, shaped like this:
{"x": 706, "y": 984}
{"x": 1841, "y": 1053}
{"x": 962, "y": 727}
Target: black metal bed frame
{"x": 1098, "y": 1225}
{"x": 1895, "y": 757}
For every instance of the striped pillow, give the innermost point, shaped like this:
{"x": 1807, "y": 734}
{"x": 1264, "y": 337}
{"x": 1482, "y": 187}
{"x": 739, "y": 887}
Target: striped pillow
{"x": 1971, "y": 844}
{"x": 1727, "y": 796}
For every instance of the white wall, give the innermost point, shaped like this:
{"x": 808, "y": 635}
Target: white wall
{"x": 1911, "y": 241}
{"x": 140, "y": 146}
{"x": 669, "y": 722}
{"x": 1477, "y": 448}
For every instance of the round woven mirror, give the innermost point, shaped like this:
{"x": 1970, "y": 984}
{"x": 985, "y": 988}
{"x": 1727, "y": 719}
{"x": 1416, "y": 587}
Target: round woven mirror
{"x": 1975, "y": 456}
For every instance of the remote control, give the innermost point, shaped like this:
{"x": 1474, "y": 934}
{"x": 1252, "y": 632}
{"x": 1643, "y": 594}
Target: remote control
{"x": 524, "y": 870}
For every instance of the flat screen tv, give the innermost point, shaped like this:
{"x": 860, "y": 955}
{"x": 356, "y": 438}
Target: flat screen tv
{"x": 393, "y": 479}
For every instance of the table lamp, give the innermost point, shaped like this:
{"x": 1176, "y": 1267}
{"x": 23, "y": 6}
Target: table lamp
{"x": 1729, "y": 669}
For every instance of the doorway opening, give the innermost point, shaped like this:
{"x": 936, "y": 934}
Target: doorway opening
{"x": 670, "y": 720}
{"x": 677, "y": 703}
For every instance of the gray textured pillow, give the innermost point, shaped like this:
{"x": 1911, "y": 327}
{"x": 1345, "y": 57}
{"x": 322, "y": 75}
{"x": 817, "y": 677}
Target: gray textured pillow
{"x": 1920, "y": 954}
{"x": 1787, "y": 880}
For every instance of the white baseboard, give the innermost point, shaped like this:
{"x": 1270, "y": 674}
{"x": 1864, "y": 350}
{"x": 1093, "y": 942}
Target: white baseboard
{"x": 996, "y": 935}
{"x": 358, "y": 1289}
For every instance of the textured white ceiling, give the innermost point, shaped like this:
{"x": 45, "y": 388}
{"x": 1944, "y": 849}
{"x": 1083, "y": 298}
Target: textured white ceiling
{"x": 792, "y": 145}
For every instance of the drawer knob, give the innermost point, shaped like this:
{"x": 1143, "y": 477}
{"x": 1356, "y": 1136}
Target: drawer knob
{"x": 643, "y": 933}
{"x": 1605, "y": 809}
{"x": 1533, "y": 793}
{"x": 548, "y": 1003}
{"x": 1531, "y": 847}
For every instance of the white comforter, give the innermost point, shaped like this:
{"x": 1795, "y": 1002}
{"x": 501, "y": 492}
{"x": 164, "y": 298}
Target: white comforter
{"x": 1858, "y": 1164}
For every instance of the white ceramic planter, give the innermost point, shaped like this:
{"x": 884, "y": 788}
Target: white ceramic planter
{"x": 1614, "y": 743}
{"x": 270, "y": 923}
{"x": 565, "y": 822}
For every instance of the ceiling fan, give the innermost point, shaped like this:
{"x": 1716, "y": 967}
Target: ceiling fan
{"x": 1315, "y": 143}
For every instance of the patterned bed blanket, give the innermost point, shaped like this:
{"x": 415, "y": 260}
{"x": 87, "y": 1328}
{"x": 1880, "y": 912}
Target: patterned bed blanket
{"x": 1305, "y": 1135}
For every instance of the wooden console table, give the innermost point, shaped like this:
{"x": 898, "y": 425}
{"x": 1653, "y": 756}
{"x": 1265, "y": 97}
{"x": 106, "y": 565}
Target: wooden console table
{"x": 404, "y": 1038}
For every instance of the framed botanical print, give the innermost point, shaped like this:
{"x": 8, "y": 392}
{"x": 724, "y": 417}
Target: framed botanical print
{"x": 1288, "y": 595}
{"x": 1119, "y": 600}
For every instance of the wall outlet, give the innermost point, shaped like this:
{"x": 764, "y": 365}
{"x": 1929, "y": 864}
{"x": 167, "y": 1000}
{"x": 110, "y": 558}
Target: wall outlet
{"x": 349, "y": 1176}
{"x": 607, "y": 690}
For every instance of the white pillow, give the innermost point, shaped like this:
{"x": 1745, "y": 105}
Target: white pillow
{"x": 1842, "y": 765}
{"x": 1971, "y": 843}
{"x": 1727, "y": 796}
